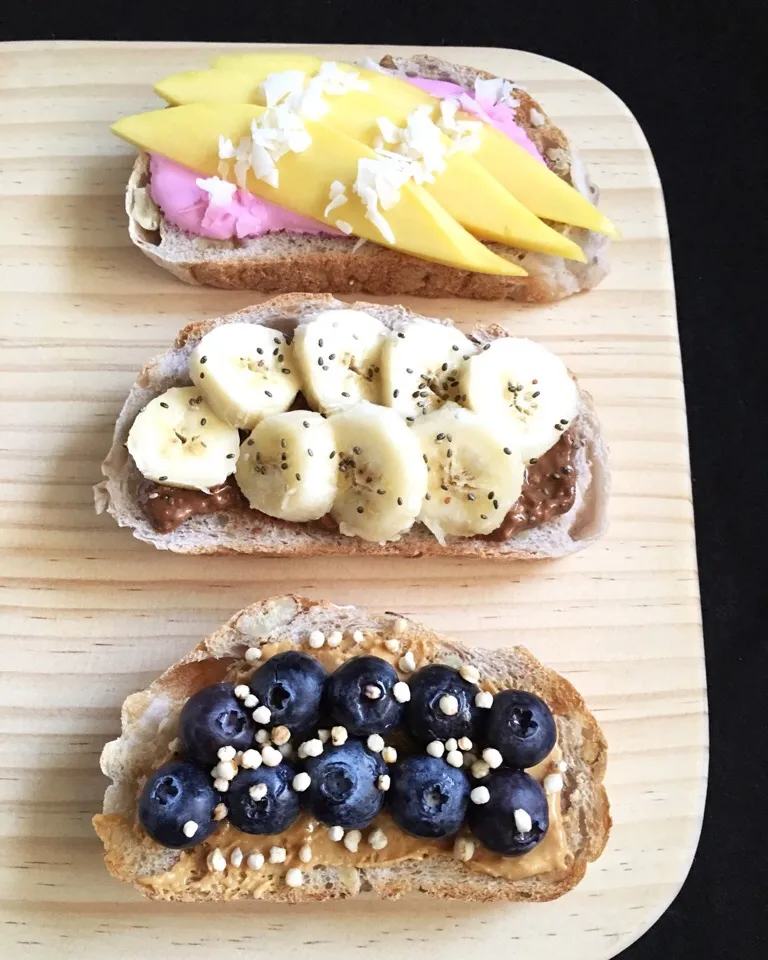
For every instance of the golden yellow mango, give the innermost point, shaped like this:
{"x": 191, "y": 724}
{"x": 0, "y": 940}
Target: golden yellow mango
{"x": 535, "y": 185}
{"x": 465, "y": 188}
{"x": 190, "y": 136}
{"x": 210, "y": 86}
{"x": 530, "y": 182}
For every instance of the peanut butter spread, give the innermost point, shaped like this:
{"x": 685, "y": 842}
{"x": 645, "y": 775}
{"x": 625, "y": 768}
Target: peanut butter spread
{"x": 551, "y": 854}
{"x": 548, "y": 492}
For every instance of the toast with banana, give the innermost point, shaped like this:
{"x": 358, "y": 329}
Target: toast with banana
{"x": 306, "y": 426}
{"x": 307, "y": 751}
{"x": 278, "y": 172}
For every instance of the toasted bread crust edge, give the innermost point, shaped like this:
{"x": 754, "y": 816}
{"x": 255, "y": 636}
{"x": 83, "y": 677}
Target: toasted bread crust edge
{"x": 380, "y": 270}
{"x": 586, "y": 809}
{"x": 117, "y": 494}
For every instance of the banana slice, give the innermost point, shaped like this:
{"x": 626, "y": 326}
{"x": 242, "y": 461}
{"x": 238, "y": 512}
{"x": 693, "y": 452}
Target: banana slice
{"x": 420, "y": 364}
{"x": 526, "y": 389}
{"x": 246, "y": 372}
{"x": 338, "y": 352}
{"x": 382, "y": 476}
{"x": 474, "y": 476}
{"x": 287, "y": 466}
{"x": 177, "y": 439}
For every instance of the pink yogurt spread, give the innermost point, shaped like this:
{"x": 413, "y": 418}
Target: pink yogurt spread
{"x": 175, "y": 191}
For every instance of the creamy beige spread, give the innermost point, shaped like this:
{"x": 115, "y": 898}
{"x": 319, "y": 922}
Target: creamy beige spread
{"x": 551, "y": 854}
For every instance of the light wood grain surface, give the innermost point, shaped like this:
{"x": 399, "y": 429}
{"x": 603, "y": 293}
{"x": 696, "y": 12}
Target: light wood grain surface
{"x": 89, "y": 615}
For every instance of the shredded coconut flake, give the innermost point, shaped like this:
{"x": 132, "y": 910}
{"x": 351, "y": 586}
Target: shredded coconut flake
{"x": 420, "y": 140}
{"x": 495, "y": 91}
{"x": 463, "y": 134}
{"x": 279, "y": 86}
{"x": 337, "y": 197}
{"x": 336, "y": 81}
{"x": 226, "y": 149}
{"x": 220, "y": 191}
{"x": 378, "y": 184}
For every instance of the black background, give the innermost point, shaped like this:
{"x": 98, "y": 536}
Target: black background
{"x": 695, "y": 81}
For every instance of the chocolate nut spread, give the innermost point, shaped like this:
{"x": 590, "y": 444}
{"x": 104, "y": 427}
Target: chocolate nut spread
{"x": 167, "y": 508}
{"x": 549, "y": 491}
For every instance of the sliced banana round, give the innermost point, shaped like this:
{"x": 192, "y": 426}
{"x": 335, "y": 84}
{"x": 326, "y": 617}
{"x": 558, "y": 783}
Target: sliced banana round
{"x": 420, "y": 364}
{"x": 474, "y": 476}
{"x": 382, "y": 475}
{"x": 338, "y": 353}
{"x": 177, "y": 439}
{"x": 287, "y": 466}
{"x": 525, "y": 388}
{"x": 245, "y": 371}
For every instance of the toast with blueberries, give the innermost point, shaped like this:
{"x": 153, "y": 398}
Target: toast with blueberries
{"x": 305, "y": 426}
{"x": 307, "y": 751}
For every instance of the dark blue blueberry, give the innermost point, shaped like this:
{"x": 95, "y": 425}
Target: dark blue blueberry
{"x": 428, "y": 797}
{"x": 493, "y": 823}
{"x": 344, "y": 790}
{"x": 176, "y": 793}
{"x": 272, "y": 813}
{"x": 349, "y": 705}
{"x": 291, "y": 685}
{"x": 423, "y": 715}
{"x": 521, "y": 727}
{"x": 214, "y": 718}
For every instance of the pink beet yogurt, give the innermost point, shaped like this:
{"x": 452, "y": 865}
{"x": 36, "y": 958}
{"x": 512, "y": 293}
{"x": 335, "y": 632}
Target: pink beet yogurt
{"x": 174, "y": 187}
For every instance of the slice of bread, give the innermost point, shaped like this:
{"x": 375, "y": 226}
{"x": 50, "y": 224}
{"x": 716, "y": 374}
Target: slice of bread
{"x": 150, "y": 724}
{"x": 283, "y": 262}
{"x": 247, "y": 531}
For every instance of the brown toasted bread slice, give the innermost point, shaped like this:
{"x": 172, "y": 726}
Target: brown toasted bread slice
{"x": 283, "y": 262}
{"x": 150, "y": 724}
{"x": 246, "y": 531}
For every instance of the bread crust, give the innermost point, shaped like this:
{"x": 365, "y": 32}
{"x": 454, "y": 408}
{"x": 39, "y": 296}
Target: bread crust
{"x": 254, "y": 533}
{"x": 333, "y": 265}
{"x": 150, "y": 722}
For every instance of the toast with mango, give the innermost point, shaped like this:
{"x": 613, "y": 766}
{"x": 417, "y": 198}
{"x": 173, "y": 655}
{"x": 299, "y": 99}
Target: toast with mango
{"x": 281, "y": 172}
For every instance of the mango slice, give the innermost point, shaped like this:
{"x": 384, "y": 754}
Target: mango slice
{"x": 190, "y": 136}
{"x": 530, "y": 182}
{"x": 211, "y": 86}
{"x": 536, "y": 186}
{"x": 465, "y": 188}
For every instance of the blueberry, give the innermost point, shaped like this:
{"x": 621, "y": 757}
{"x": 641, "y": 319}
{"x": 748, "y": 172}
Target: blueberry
{"x": 428, "y": 797}
{"x": 349, "y": 700}
{"x": 173, "y": 795}
{"x": 214, "y": 718}
{"x": 343, "y": 790}
{"x": 291, "y": 685}
{"x": 494, "y": 822}
{"x": 423, "y": 713}
{"x": 272, "y": 813}
{"x": 521, "y": 727}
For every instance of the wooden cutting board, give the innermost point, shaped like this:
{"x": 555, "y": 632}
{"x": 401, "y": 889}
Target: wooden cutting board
{"x": 89, "y": 614}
